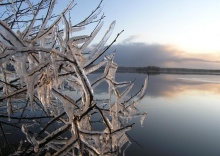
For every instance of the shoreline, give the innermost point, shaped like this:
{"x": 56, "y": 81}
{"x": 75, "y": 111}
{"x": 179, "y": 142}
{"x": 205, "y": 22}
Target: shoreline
{"x": 153, "y": 70}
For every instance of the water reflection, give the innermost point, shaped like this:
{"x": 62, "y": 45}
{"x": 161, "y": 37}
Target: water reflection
{"x": 169, "y": 86}
{"x": 174, "y": 85}
{"x": 183, "y": 116}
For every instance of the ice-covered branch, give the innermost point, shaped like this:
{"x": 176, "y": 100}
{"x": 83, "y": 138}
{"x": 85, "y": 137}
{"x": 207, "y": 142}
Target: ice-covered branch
{"x": 46, "y": 70}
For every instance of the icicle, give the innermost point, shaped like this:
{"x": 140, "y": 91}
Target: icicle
{"x": 142, "y": 92}
{"x": 56, "y": 21}
{"x": 24, "y": 128}
{"x": 61, "y": 43}
{"x": 112, "y": 71}
{"x": 30, "y": 89}
{"x": 55, "y": 69}
{"x": 70, "y": 25}
{"x": 9, "y": 109}
{"x": 127, "y": 90}
{"x": 44, "y": 90}
{"x": 139, "y": 94}
{"x": 122, "y": 84}
{"x": 73, "y": 127}
{"x": 48, "y": 93}
{"x": 74, "y": 41}
{"x": 30, "y": 139}
{"x": 104, "y": 40}
{"x": 69, "y": 109}
{"x": 31, "y": 62}
{"x": 88, "y": 82}
{"x": 98, "y": 81}
{"x": 54, "y": 36}
{"x": 99, "y": 49}
{"x": 92, "y": 36}
{"x": 65, "y": 30}
{"x": 75, "y": 29}
{"x": 142, "y": 118}
{"x": 38, "y": 68}
{"x": 20, "y": 67}
{"x": 95, "y": 67}
{"x": 43, "y": 42}
{"x": 109, "y": 123}
{"x": 41, "y": 57}
{"x": 35, "y": 143}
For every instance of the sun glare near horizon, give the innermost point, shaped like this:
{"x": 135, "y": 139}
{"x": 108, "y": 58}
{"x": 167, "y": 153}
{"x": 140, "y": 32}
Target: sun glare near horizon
{"x": 191, "y": 26}
{"x": 198, "y": 38}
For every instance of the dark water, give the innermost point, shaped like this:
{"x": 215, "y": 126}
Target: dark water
{"x": 183, "y": 116}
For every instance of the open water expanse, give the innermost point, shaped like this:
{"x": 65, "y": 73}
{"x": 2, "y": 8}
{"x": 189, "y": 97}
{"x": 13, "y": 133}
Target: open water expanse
{"x": 183, "y": 116}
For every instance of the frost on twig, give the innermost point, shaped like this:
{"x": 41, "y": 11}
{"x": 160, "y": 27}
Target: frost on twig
{"x": 49, "y": 69}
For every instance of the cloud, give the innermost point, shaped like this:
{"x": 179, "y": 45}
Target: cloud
{"x": 130, "y": 39}
{"x": 134, "y": 54}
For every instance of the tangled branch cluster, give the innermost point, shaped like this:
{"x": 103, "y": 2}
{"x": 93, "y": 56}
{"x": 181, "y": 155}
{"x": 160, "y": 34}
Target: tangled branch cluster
{"x": 45, "y": 61}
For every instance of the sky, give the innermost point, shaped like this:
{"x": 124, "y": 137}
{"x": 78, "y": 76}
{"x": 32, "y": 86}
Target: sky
{"x": 169, "y": 33}
{"x": 189, "y": 25}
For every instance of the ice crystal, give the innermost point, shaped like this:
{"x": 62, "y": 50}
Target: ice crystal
{"x": 50, "y": 66}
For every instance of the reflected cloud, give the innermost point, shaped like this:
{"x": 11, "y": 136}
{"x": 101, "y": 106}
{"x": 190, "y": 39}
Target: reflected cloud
{"x": 172, "y": 85}
{"x": 169, "y": 86}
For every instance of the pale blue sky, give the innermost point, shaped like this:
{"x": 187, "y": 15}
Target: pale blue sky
{"x": 189, "y": 25}
{"x": 180, "y": 33}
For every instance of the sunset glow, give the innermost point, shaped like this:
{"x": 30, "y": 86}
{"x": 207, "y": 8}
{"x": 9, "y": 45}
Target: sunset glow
{"x": 191, "y": 26}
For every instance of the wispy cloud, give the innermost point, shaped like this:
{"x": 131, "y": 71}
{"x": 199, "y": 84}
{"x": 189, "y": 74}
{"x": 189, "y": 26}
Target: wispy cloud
{"x": 130, "y": 39}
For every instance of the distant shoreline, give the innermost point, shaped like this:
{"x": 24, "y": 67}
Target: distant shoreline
{"x": 153, "y": 70}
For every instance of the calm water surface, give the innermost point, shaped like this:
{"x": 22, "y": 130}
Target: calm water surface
{"x": 183, "y": 116}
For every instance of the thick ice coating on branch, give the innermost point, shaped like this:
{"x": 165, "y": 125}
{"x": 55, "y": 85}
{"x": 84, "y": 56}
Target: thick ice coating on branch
{"x": 50, "y": 69}
{"x": 8, "y": 37}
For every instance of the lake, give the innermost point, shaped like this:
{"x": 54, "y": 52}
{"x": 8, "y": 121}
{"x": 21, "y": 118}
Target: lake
{"x": 183, "y": 116}
{"x": 183, "y": 113}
